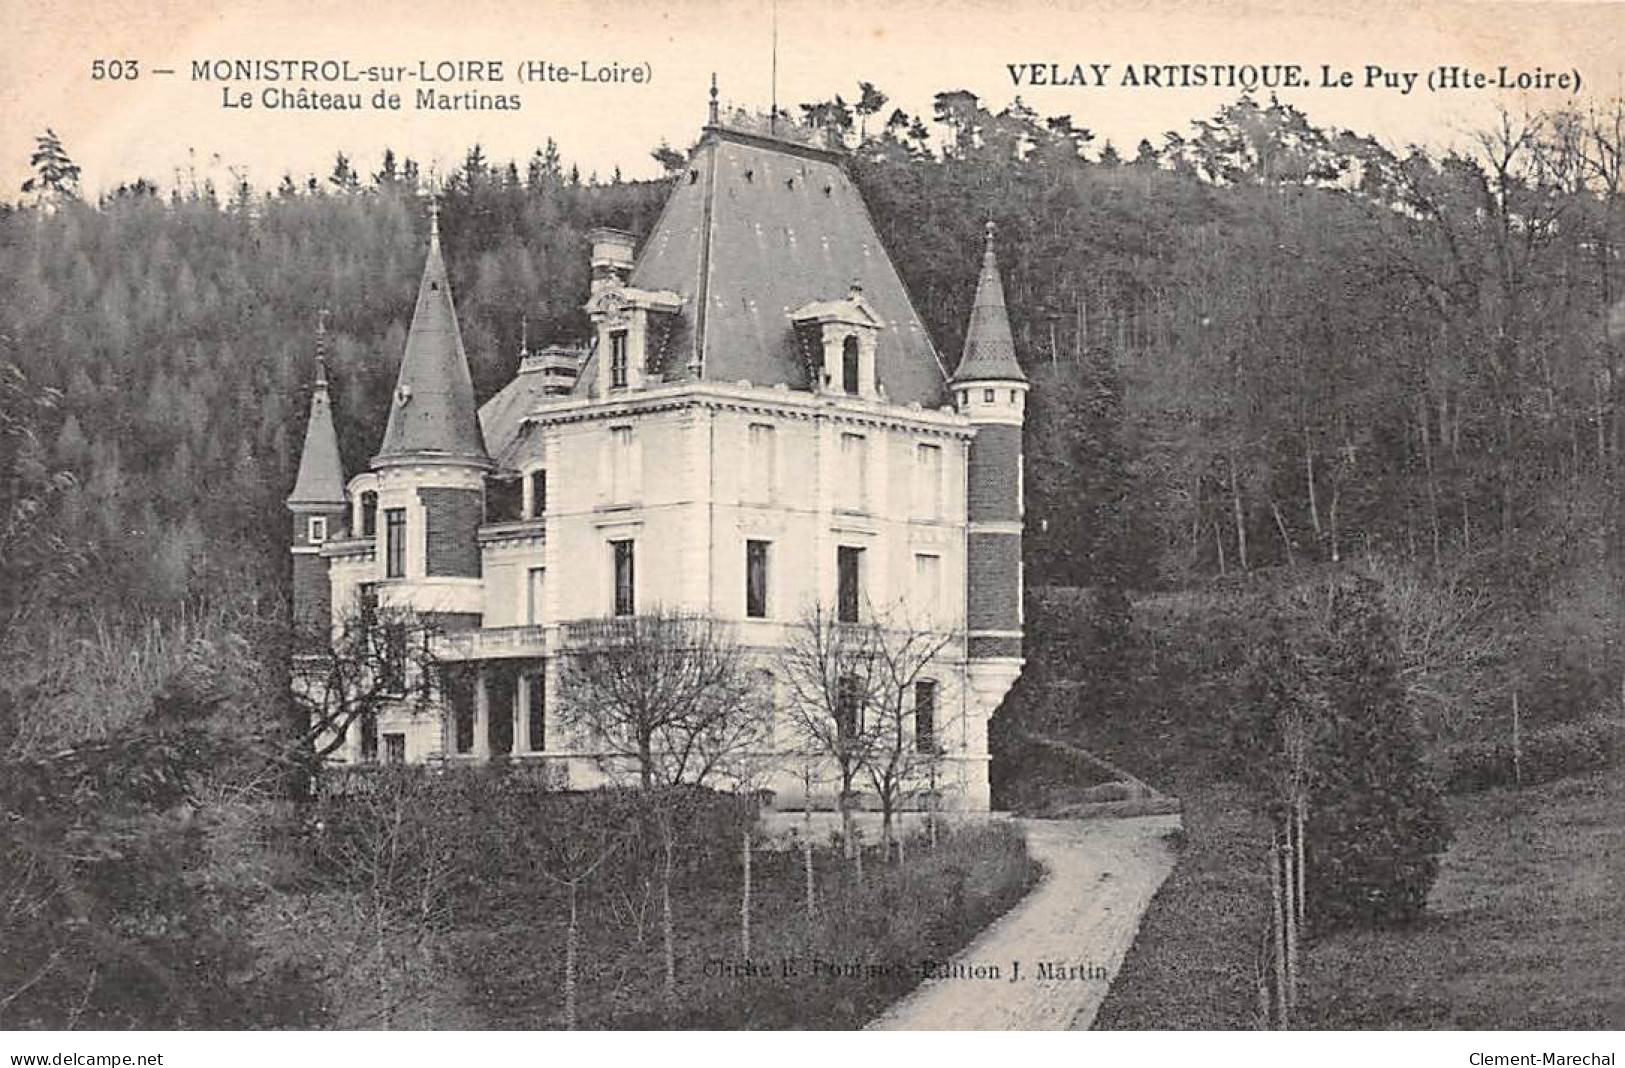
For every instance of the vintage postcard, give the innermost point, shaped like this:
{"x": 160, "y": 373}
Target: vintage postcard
{"x": 761, "y": 515}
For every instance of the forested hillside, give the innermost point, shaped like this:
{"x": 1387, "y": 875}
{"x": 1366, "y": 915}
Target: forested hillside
{"x": 1261, "y": 351}
{"x": 1265, "y": 342}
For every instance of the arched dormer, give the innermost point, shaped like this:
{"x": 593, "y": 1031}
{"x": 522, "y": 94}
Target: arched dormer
{"x": 841, "y": 336}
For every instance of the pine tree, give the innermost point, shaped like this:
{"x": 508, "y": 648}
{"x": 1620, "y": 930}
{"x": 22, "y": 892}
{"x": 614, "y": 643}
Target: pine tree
{"x": 56, "y": 177}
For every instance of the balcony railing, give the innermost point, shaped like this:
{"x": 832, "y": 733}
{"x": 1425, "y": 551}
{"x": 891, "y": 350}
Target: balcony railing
{"x": 491, "y": 642}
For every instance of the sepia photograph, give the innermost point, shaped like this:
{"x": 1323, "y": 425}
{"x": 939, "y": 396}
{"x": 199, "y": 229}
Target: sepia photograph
{"x": 763, "y": 515}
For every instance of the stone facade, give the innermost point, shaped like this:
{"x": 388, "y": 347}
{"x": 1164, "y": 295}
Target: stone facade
{"x": 822, "y": 440}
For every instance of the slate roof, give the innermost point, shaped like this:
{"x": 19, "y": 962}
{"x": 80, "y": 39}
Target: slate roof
{"x": 321, "y": 472}
{"x": 755, "y": 228}
{"x": 990, "y": 351}
{"x": 502, "y": 417}
{"x": 431, "y": 413}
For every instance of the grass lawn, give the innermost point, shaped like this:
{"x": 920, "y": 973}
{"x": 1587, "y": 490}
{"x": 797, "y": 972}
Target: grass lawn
{"x": 925, "y": 908}
{"x": 1525, "y": 928}
{"x": 1192, "y": 966}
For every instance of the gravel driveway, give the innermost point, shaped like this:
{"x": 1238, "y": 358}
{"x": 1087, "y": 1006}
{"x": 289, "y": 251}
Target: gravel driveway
{"x": 1046, "y": 964}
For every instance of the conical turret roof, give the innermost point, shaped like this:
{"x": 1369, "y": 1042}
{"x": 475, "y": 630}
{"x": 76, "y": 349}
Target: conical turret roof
{"x": 321, "y": 473}
{"x": 990, "y": 351}
{"x": 432, "y": 414}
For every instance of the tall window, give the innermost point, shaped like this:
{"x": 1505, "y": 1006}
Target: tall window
{"x": 624, "y": 577}
{"x": 369, "y": 737}
{"x": 849, "y": 366}
{"x": 756, "y": 579}
{"x": 538, "y": 493}
{"x": 617, "y": 359}
{"x": 392, "y": 661}
{"x": 928, "y": 481}
{"x": 849, "y": 576}
{"x": 501, "y": 697}
{"x": 459, "y": 690}
{"x": 394, "y": 749}
{"x": 622, "y": 468}
{"x": 927, "y": 587}
{"x": 535, "y": 580}
{"x": 925, "y": 715}
{"x": 762, "y": 459}
{"x": 367, "y": 604}
{"x": 369, "y": 513}
{"x": 317, "y": 530}
{"x": 848, "y": 707}
{"x": 854, "y": 472}
{"x": 536, "y": 712}
{"x": 394, "y": 542}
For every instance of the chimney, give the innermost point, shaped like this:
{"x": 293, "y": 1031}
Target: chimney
{"x": 558, "y": 366}
{"x": 611, "y": 256}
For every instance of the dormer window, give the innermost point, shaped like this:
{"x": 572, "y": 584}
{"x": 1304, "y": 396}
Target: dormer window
{"x": 839, "y": 338}
{"x": 632, "y": 326}
{"x": 617, "y": 359}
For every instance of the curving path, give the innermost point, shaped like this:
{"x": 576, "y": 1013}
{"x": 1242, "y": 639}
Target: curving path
{"x": 1046, "y": 964}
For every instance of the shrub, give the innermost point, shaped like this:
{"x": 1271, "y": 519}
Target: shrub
{"x": 1548, "y": 753}
{"x": 1322, "y": 694}
{"x": 1376, "y": 822}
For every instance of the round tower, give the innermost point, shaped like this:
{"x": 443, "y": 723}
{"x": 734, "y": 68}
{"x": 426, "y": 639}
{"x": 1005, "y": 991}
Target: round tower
{"x": 990, "y": 388}
{"x": 317, "y": 502}
{"x": 431, "y": 466}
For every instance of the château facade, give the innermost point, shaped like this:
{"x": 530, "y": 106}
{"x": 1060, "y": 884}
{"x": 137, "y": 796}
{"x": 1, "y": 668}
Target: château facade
{"x": 760, "y": 424}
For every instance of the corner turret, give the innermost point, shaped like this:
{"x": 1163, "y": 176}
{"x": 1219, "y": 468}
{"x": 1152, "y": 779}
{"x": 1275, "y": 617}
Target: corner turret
{"x": 317, "y": 501}
{"x": 990, "y": 388}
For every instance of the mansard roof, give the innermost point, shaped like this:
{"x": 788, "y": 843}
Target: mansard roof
{"x": 321, "y": 472}
{"x": 990, "y": 351}
{"x": 431, "y": 413}
{"x": 756, "y": 228}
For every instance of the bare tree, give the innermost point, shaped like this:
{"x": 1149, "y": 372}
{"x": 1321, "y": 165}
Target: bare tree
{"x": 906, "y": 706}
{"x": 569, "y": 860}
{"x": 374, "y": 659}
{"x": 828, "y": 670}
{"x": 388, "y": 842}
{"x": 850, "y": 691}
{"x": 667, "y": 693}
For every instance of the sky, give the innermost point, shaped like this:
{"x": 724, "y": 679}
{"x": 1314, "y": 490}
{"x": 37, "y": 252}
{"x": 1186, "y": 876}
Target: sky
{"x": 158, "y": 126}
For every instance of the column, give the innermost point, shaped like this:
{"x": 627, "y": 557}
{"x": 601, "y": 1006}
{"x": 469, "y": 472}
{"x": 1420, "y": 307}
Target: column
{"x": 482, "y": 718}
{"x": 516, "y": 716}
{"x": 868, "y": 379}
{"x": 521, "y": 715}
{"x": 832, "y": 362}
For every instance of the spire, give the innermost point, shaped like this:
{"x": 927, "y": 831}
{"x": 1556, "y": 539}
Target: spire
{"x": 431, "y": 413}
{"x": 321, "y": 474}
{"x": 990, "y": 351}
{"x": 321, "y": 350}
{"x": 715, "y": 110}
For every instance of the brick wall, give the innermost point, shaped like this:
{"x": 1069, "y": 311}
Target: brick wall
{"x": 989, "y": 647}
{"x": 312, "y": 593}
{"x": 994, "y": 488}
{"x": 995, "y": 581}
{"x": 453, "y": 518}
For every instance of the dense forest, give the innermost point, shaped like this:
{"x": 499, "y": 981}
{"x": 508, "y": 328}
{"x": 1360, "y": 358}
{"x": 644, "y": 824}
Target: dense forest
{"x": 1259, "y": 348}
